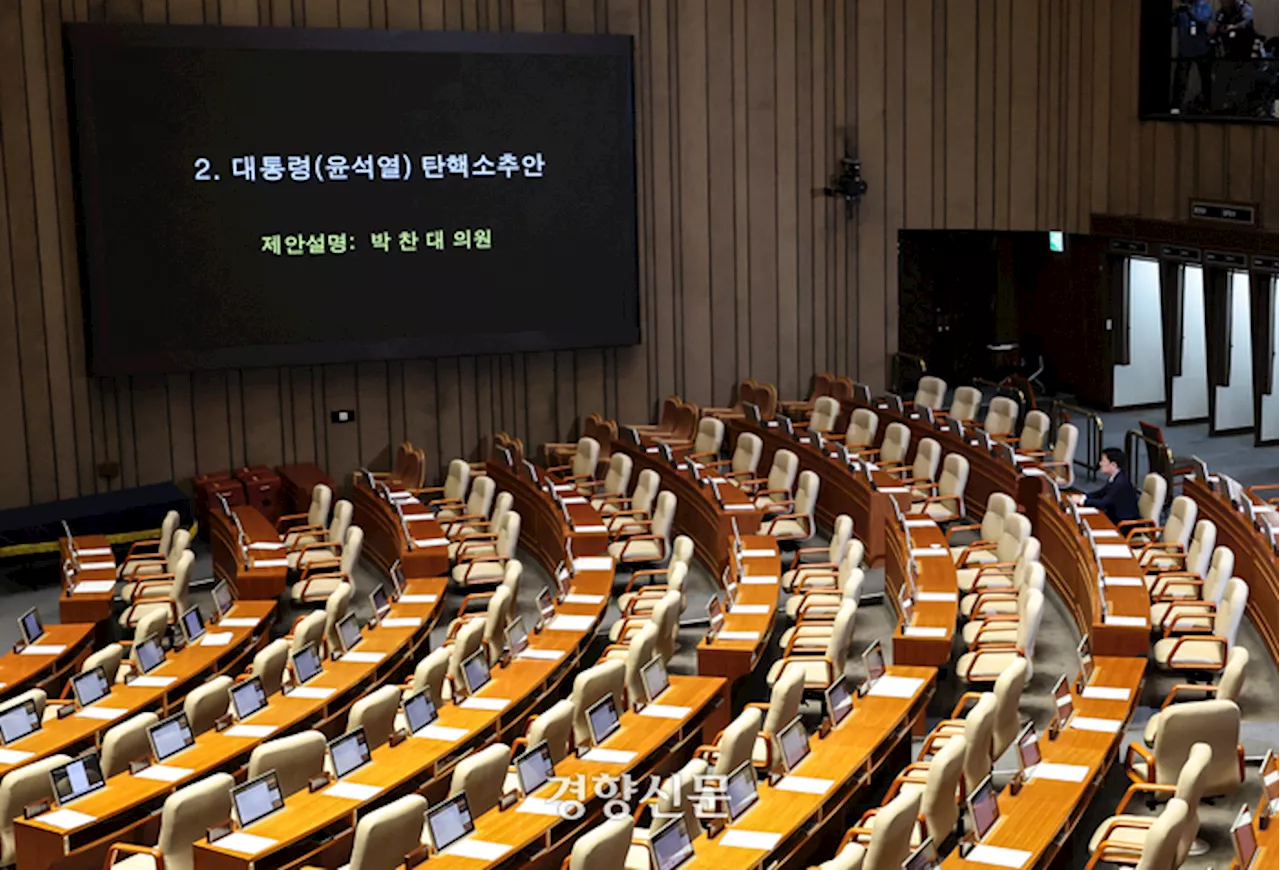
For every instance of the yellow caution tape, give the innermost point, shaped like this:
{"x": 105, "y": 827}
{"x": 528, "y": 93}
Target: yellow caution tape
{"x": 52, "y": 546}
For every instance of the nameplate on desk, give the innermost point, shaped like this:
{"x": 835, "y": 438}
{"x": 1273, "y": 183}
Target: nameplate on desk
{"x": 244, "y": 844}
{"x": 1034, "y": 472}
{"x": 216, "y": 638}
{"x": 417, "y": 518}
{"x": 896, "y": 687}
{"x": 492, "y": 704}
{"x": 931, "y": 551}
{"x": 266, "y": 545}
{"x": 936, "y": 596}
{"x": 804, "y": 784}
{"x": 251, "y": 731}
{"x": 237, "y": 622}
{"x": 440, "y": 732}
{"x": 895, "y": 490}
{"x": 164, "y": 773}
{"x": 311, "y": 693}
{"x": 919, "y": 524}
{"x": 352, "y": 791}
{"x": 1122, "y": 581}
{"x": 268, "y": 563}
{"x": 590, "y": 530}
{"x": 363, "y": 658}
{"x": 43, "y": 649}
{"x": 546, "y": 655}
{"x": 651, "y": 450}
{"x": 103, "y": 713}
{"x": 151, "y": 681}
{"x": 738, "y": 635}
{"x": 580, "y": 598}
{"x": 759, "y": 554}
{"x": 593, "y": 563}
{"x": 403, "y": 495}
{"x": 762, "y": 841}
{"x": 401, "y": 622}
{"x": 1105, "y": 693}
{"x": 923, "y": 631}
{"x": 1127, "y": 621}
{"x": 97, "y": 566}
{"x": 573, "y": 499}
{"x": 14, "y": 756}
{"x": 65, "y": 820}
{"x": 997, "y": 856}
{"x": 93, "y": 587}
{"x": 1060, "y": 772}
{"x": 1102, "y": 726}
{"x": 739, "y": 506}
{"x": 431, "y": 542}
{"x": 93, "y": 551}
{"x": 479, "y": 850}
{"x": 540, "y": 806}
{"x": 1019, "y": 458}
{"x": 759, "y": 580}
{"x": 571, "y": 622}
{"x": 1104, "y": 533}
{"x": 609, "y": 756}
{"x": 412, "y": 598}
{"x": 749, "y": 609}
{"x": 665, "y": 711}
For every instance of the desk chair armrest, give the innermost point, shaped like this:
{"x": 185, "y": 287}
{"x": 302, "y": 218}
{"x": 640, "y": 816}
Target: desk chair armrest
{"x": 979, "y": 652}
{"x": 991, "y": 595}
{"x": 118, "y": 849}
{"x": 305, "y": 593}
{"x": 976, "y": 547}
{"x": 625, "y": 629}
{"x": 1110, "y": 852}
{"x": 805, "y": 551}
{"x": 1177, "y": 556}
{"x": 821, "y": 620}
{"x": 145, "y": 549}
{"x": 473, "y": 597}
{"x": 1147, "y": 528}
{"x": 994, "y": 569}
{"x": 647, "y": 572}
{"x": 968, "y": 527}
{"x": 643, "y": 602}
{"x": 964, "y": 702}
{"x": 1175, "y": 579}
{"x": 1138, "y": 751}
{"x": 1035, "y": 453}
{"x": 815, "y": 598}
{"x": 641, "y": 527}
{"x": 153, "y": 581}
{"x": 174, "y": 613}
{"x": 294, "y": 523}
{"x": 698, "y": 457}
{"x": 1135, "y": 789}
{"x": 447, "y": 503}
{"x": 1159, "y": 548}
{"x": 591, "y": 483}
{"x": 802, "y": 519}
{"x": 318, "y": 545}
{"x": 782, "y": 491}
{"x": 447, "y": 523}
{"x": 320, "y": 566}
{"x": 767, "y": 737}
{"x": 753, "y": 482}
{"x": 625, "y": 518}
{"x": 938, "y": 499}
{"x": 473, "y": 544}
{"x": 807, "y": 577}
{"x": 622, "y": 556}
{"x": 1170, "y": 626}
{"x": 1180, "y": 688}
{"x": 477, "y": 560}
{"x": 717, "y": 463}
{"x": 744, "y": 473}
{"x": 709, "y": 752}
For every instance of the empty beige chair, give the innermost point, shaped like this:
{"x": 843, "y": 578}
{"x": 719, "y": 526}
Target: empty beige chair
{"x": 923, "y": 470}
{"x": 744, "y": 462}
{"x": 1062, "y": 462}
{"x": 484, "y": 530}
{"x": 999, "y": 613}
{"x": 1159, "y": 847}
{"x": 863, "y": 425}
{"x": 890, "y": 840}
{"x": 386, "y": 835}
{"x": 150, "y": 550}
{"x": 187, "y": 814}
{"x": 429, "y": 675}
{"x": 164, "y": 592}
{"x": 826, "y": 411}
{"x": 1150, "y": 502}
{"x": 835, "y": 551}
{"x": 555, "y": 726}
{"x": 1192, "y": 564}
{"x": 322, "y": 577}
{"x": 1227, "y": 689}
{"x": 894, "y": 449}
{"x": 819, "y": 604}
{"x": 642, "y": 600}
{"x": 1123, "y": 828}
{"x": 489, "y": 568}
{"x": 480, "y": 776}
{"x": 1173, "y": 537}
{"x": 336, "y": 607}
{"x": 1002, "y": 416}
{"x": 323, "y": 545}
{"x": 647, "y": 540}
{"x": 1003, "y": 554}
{"x": 977, "y": 728}
{"x": 772, "y": 492}
{"x": 635, "y": 654}
{"x": 675, "y": 798}
{"x": 154, "y": 623}
{"x": 930, "y": 393}
{"x": 965, "y": 404}
{"x": 999, "y": 506}
{"x": 450, "y": 498}
{"x": 20, "y": 787}
{"x": 141, "y": 567}
{"x": 734, "y": 744}
{"x": 477, "y": 510}
{"x": 984, "y": 663}
{"x": 1035, "y": 432}
{"x": 1215, "y": 722}
{"x": 623, "y": 513}
{"x": 615, "y": 483}
{"x": 499, "y": 611}
{"x": 1184, "y": 602}
{"x": 124, "y": 743}
{"x": 269, "y": 665}
{"x": 308, "y": 630}
{"x": 820, "y": 665}
{"x": 938, "y": 783}
{"x": 293, "y": 527}
{"x": 38, "y": 697}
{"x": 945, "y": 500}
{"x": 604, "y": 847}
{"x": 586, "y": 456}
{"x": 665, "y": 618}
{"x": 1206, "y": 653}
{"x": 108, "y": 658}
{"x": 469, "y": 639}
{"x": 783, "y": 706}
{"x": 1006, "y": 723}
{"x": 296, "y": 759}
{"x": 797, "y": 522}
{"x": 989, "y": 601}
{"x": 376, "y": 714}
{"x": 709, "y": 440}
{"x": 206, "y": 703}
{"x": 590, "y": 686}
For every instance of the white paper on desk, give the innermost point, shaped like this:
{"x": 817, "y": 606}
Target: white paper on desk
{"x": 924, "y": 631}
{"x": 94, "y": 551}
{"x": 403, "y": 495}
{"x": 43, "y": 649}
{"x": 245, "y": 844}
{"x": 931, "y": 551}
{"x": 759, "y": 554}
{"x": 591, "y": 530}
{"x": 164, "y": 773}
{"x": 664, "y": 711}
{"x": 894, "y": 489}
{"x": 97, "y": 566}
{"x": 251, "y": 731}
{"x": 104, "y": 713}
{"x": 1122, "y": 581}
{"x": 749, "y": 609}
{"x": 738, "y": 635}
{"x": 564, "y": 487}
{"x": 151, "y": 681}
{"x": 266, "y": 545}
{"x": 14, "y": 756}
{"x": 805, "y": 784}
{"x": 480, "y": 850}
{"x": 920, "y": 524}
{"x": 238, "y": 622}
{"x": 546, "y": 655}
{"x": 91, "y": 587}
{"x": 216, "y": 638}
{"x": 1105, "y": 693}
{"x": 352, "y": 791}
{"x": 998, "y": 856}
{"x": 269, "y": 563}
{"x": 580, "y": 598}
{"x": 1103, "y": 726}
{"x": 540, "y": 806}
{"x": 761, "y": 840}
{"x": 431, "y": 542}
{"x": 896, "y": 687}
{"x": 1060, "y": 772}
{"x": 1104, "y": 533}
{"x": 1086, "y": 511}
{"x": 409, "y": 598}
{"x": 574, "y": 499}
{"x": 1034, "y": 472}
{"x": 1114, "y": 551}
{"x": 593, "y": 563}
{"x": 493, "y": 704}
{"x": 1136, "y": 621}
{"x": 401, "y": 622}
{"x": 417, "y": 518}
{"x": 65, "y": 820}
{"x": 1019, "y": 458}
{"x": 570, "y": 622}
{"x": 311, "y": 693}
{"x": 739, "y": 506}
{"x": 609, "y": 756}
{"x": 363, "y": 658}
{"x": 759, "y": 580}
{"x": 439, "y": 732}
{"x": 936, "y": 596}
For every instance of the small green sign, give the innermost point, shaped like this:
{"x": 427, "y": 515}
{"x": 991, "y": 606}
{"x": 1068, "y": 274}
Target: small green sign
{"x": 1057, "y": 241}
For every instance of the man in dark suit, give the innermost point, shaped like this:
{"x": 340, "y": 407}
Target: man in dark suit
{"x": 1117, "y": 498}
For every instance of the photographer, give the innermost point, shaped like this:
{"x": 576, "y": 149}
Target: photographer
{"x": 1192, "y": 21}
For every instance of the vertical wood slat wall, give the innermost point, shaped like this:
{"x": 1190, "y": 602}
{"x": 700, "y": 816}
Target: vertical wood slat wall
{"x": 1005, "y": 114}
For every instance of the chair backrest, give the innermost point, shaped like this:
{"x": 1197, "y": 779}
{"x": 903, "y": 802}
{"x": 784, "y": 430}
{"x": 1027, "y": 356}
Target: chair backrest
{"x": 352, "y": 544}
{"x": 206, "y": 703}
{"x": 666, "y": 615}
{"x": 1008, "y": 692}
{"x": 849, "y": 579}
{"x": 495, "y": 622}
{"x": 180, "y": 544}
{"x": 469, "y": 639}
{"x": 586, "y": 456}
{"x": 604, "y": 847}
{"x": 841, "y": 535}
{"x": 321, "y": 501}
{"x": 295, "y": 759}
{"x": 863, "y": 424}
{"x": 930, "y": 392}
{"x": 1163, "y": 839}
{"x": 386, "y": 835}
{"x": 807, "y": 495}
{"x": 965, "y": 403}
{"x": 341, "y": 521}
{"x": 1226, "y": 622}
{"x": 1190, "y": 788}
{"x": 480, "y": 502}
{"x": 782, "y": 474}
{"x": 664, "y": 514}
{"x": 109, "y": 658}
{"x": 269, "y": 664}
{"x": 999, "y": 506}
{"x": 821, "y": 385}
{"x": 1029, "y": 551}
{"x": 154, "y": 622}
{"x": 1064, "y": 451}
{"x": 979, "y": 726}
{"x": 1028, "y": 574}
{"x": 681, "y": 551}
{"x": 188, "y": 813}
{"x": 554, "y": 725}
{"x": 480, "y": 776}
{"x": 646, "y": 490}
{"x": 938, "y": 803}
{"x": 1222, "y": 566}
{"x": 1182, "y": 518}
{"x": 954, "y": 479}
{"x": 1232, "y": 681}
{"x": 336, "y": 608}
{"x": 591, "y": 685}
{"x": 746, "y": 453}
{"x": 1017, "y": 528}
{"x": 891, "y": 837}
{"x": 710, "y": 435}
{"x": 1029, "y": 626}
{"x": 1203, "y": 540}
{"x": 25, "y": 785}
{"x": 896, "y": 444}
{"x": 125, "y": 742}
{"x": 737, "y": 741}
{"x": 784, "y": 700}
{"x": 1215, "y": 722}
{"x": 457, "y": 479}
{"x": 842, "y": 635}
{"x": 1035, "y": 431}
{"x": 502, "y": 505}
{"x": 508, "y": 535}
{"x": 639, "y": 651}
{"x": 39, "y": 697}
{"x": 429, "y": 674}
{"x": 401, "y": 464}
{"x": 825, "y": 412}
{"x": 1002, "y": 416}
{"x": 1151, "y": 499}
{"x": 618, "y": 477}
{"x": 168, "y": 526}
{"x": 928, "y": 456}
{"x": 376, "y": 714}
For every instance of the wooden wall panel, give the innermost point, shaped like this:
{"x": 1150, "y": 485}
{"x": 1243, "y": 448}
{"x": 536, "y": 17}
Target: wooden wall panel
{"x": 966, "y": 113}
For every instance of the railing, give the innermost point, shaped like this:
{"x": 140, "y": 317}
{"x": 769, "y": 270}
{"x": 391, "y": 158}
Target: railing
{"x": 1160, "y": 460}
{"x": 1090, "y": 433}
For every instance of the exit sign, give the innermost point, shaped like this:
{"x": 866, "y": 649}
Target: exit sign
{"x": 1057, "y": 241}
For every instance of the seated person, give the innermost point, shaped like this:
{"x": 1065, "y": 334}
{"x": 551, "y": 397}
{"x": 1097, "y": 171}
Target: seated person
{"x": 1117, "y": 498}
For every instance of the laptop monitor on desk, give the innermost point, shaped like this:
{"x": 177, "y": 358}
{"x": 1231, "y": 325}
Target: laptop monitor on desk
{"x": 349, "y": 753}
{"x": 150, "y": 654}
{"x": 349, "y": 632}
{"x": 793, "y": 740}
{"x": 29, "y": 625}
{"x": 419, "y": 711}
{"x": 1244, "y": 840}
{"x": 449, "y": 821}
{"x": 90, "y": 686}
{"x": 654, "y": 676}
{"x": 873, "y": 661}
{"x": 984, "y": 811}
{"x": 670, "y": 846}
{"x": 740, "y": 790}
{"x": 223, "y": 600}
{"x": 192, "y": 624}
{"x": 169, "y": 737}
{"x": 77, "y": 778}
{"x": 602, "y": 720}
{"x": 475, "y": 671}
{"x": 535, "y": 768}
{"x": 257, "y": 799}
{"x": 18, "y": 721}
{"x": 839, "y": 701}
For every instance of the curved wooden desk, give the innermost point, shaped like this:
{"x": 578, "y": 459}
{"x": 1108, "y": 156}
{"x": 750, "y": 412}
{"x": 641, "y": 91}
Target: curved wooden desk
{"x": 87, "y": 592}
{"x": 48, "y": 664}
{"x": 543, "y": 529}
{"x": 257, "y": 572}
{"x": 748, "y": 625}
{"x": 386, "y": 543}
{"x": 927, "y": 640}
